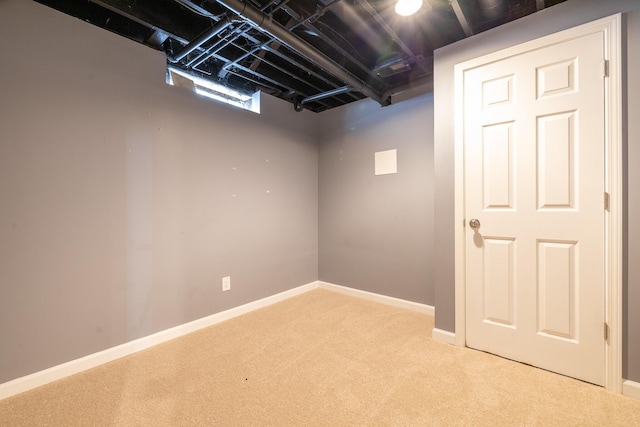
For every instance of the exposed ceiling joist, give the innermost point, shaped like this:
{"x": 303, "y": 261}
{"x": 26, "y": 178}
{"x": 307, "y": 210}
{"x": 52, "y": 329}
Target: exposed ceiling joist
{"x": 468, "y": 31}
{"x": 316, "y": 54}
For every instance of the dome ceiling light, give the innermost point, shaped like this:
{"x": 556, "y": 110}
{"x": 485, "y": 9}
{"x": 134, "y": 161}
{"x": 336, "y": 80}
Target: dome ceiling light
{"x": 408, "y": 7}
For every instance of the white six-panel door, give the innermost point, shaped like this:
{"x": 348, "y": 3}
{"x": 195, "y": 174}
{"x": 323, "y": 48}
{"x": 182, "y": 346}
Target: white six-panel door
{"x": 534, "y": 165}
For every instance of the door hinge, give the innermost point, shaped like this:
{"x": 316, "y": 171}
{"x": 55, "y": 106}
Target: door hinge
{"x": 606, "y": 332}
{"x": 606, "y": 201}
{"x": 605, "y": 68}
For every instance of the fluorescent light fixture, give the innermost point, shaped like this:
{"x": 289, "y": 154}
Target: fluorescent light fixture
{"x": 408, "y": 7}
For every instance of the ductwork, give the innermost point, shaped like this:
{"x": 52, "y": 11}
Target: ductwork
{"x": 277, "y": 31}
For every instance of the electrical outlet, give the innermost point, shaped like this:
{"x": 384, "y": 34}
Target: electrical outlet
{"x": 226, "y": 283}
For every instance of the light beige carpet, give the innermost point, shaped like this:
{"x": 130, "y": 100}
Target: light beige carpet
{"x": 321, "y": 358}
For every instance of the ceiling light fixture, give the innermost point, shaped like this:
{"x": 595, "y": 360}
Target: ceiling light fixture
{"x": 408, "y": 7}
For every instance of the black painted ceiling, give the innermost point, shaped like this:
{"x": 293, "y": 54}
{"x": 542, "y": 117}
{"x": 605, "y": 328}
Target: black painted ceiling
{"x": 316, "y": 54}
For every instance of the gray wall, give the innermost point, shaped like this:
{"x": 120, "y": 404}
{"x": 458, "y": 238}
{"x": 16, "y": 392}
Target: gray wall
{"x": 375, "y": 231}
{"x": 554, "y": 19}
{"x": 116, "y": 212}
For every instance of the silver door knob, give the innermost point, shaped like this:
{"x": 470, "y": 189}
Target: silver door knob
{"x": 474, "y": 224}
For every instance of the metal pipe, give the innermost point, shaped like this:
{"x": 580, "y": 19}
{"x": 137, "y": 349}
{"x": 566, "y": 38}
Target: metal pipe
{"x": 197, "y": 9}
{"x": 424, "y": 83}
{"x": 212, "y": 51}
{"x": 254, "y": 73}
{"x": 274, "y": 29}
{"x": 462, "y": 19}
{"x": 295, "y": 63}
{"x": 200, "y": 40}
{"x": 260, "y": 83}
{"x": 247, "y": 54}
{"x": 266, "y": 46}
{"x": 262, "y": 76}
{"x": 321, "y": 11}
{"x": 218, "y": 45}
{"x": 136, "y": 19}
{"x": 282, "y": 70}
{"x": 331, "y": 43}
{"x": 328, "y": 94}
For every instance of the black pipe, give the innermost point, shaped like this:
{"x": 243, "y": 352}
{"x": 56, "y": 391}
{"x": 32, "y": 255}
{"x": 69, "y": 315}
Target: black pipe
{"x": 200, "y": 40}
{"x": 266, "y": 24}
{"x": 299, "y": 105}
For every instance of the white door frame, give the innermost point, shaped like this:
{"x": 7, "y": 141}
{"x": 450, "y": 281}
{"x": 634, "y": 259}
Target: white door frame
{"x": 611, "y": 29}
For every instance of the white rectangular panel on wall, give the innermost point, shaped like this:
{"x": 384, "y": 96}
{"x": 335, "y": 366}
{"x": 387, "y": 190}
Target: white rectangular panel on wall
{"x": 497, "y": 153}
{"x": 386, "y": 162}
{"x": 556, "y": 161}
{"x": 498, "y": 293}
{"x": 557, "y": 288}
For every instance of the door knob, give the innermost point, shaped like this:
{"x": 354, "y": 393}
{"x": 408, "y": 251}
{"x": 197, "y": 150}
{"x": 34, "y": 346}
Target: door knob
{"x": 474, "y": 224}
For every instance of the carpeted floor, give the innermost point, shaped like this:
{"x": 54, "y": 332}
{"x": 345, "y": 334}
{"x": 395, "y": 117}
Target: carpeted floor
{"x": 321, "y": 358}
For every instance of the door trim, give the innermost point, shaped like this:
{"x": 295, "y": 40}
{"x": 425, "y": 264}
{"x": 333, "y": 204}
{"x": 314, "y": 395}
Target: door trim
{"x": 611, "y": 29}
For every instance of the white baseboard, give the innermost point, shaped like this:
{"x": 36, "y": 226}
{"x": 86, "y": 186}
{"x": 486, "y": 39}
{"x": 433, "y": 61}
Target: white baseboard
{"x": 443, "y": 336}
{"x": 631, "y": 389}
{"x": 383, "y": 299}
{"x": 37, "y": 379}
{"x": 54, "y": 373}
